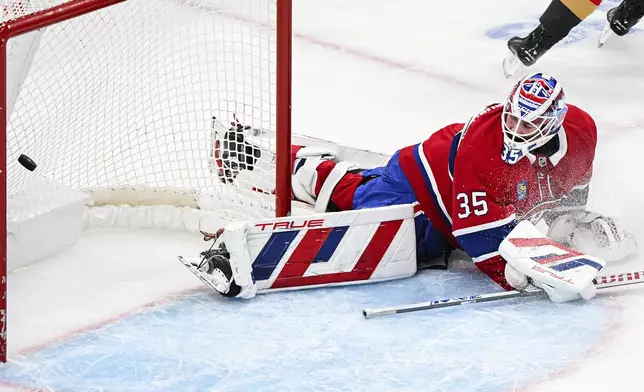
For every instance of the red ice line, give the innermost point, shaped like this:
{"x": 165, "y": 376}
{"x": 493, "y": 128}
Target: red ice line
{"x": 92, "y": 327}
{"x": 364, "y": 55}
{"x": 97, "y": 325}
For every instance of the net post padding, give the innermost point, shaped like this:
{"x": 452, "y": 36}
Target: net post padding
{"x": 142, "y": 207}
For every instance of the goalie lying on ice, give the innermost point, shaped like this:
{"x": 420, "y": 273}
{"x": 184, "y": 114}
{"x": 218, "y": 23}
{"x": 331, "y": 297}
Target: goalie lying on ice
{"x": 466, "y": 187}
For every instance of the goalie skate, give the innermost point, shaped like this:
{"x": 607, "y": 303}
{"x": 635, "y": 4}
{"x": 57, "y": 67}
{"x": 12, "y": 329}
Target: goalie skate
{"x": 219, "y": 280}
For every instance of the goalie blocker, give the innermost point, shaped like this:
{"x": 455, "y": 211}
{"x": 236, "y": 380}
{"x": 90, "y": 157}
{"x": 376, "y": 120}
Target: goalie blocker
{"x": 533, "y": 258}
{"x": 318, "y": 250}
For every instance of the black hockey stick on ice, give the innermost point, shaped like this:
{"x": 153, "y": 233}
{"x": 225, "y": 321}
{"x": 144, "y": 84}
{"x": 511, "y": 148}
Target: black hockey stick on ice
{"x": 601, "y": 282}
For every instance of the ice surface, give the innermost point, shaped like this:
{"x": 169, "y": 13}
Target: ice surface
{"x": 317, "y": 339}
{"x": 118, "y": 312}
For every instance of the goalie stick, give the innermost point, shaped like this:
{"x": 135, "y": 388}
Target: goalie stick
{"x": 601, "y": 282}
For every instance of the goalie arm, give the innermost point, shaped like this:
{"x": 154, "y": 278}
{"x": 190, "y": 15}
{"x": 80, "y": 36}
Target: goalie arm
{"x": 570, "y": 224}
{"x": 481, "y": 219}
{"x": 575, "y": 200}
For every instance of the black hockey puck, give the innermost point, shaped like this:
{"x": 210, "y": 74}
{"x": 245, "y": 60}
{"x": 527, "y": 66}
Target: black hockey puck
{"x": 27, "y": 162}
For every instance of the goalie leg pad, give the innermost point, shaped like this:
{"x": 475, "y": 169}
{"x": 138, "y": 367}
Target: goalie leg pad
{"x": 330, "y": 249}
{"x": 310, "y": 170}
{"x": 316, "y": 175}
{"x": 235, "y": 239}
{"x": 339, "y": 188}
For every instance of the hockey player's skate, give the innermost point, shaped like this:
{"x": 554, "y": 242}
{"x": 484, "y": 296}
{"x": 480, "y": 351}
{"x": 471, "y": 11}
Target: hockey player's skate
{"x": 621, "y": 19}
{"x": 214, "y": 270}
{"x": 525, "y": 51}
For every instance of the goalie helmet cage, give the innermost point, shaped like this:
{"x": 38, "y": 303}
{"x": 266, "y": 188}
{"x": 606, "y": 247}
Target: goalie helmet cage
{"x": 122, "y": 93}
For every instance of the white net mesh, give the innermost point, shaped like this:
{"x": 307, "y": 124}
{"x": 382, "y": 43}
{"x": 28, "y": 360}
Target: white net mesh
{"x": 16, "y": 9}
{"x": 125, "y": 97}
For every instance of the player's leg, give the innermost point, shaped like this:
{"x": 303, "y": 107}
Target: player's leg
{"x": 622, "y": 18}
{"x": 554, "y": 25}
{"x": 378, "y": 235}
{"x": 357, "y": 244}
{"x": 321, "y": 180}
{"x": 385, "y": 186}
{"x": 328, "y": 185}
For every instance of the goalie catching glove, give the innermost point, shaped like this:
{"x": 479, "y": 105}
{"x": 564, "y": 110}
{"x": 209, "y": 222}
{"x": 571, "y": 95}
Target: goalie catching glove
{"x": 594, "y": 234}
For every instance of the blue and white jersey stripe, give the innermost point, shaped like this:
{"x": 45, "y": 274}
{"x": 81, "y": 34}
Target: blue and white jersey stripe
{"x": 484, "y": 240}
{"x": 430, "y": 182}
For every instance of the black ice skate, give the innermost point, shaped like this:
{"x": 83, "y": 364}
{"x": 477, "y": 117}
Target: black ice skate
{"x": 527, "y": 50}
{"x": 215, "y": 271}
{"x": 621, "y": 19}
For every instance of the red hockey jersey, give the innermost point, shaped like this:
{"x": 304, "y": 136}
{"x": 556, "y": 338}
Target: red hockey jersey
{"x": 475, "y": 199}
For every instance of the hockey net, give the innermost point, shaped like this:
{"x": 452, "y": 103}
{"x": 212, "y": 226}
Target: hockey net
{"x": 131, "y": 102}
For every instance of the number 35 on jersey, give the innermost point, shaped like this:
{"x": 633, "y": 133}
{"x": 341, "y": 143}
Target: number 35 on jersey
{"x": 473, "y": 203}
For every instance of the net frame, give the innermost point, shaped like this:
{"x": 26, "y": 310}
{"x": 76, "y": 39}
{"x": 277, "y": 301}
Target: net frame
{"x": 12, "y": 28}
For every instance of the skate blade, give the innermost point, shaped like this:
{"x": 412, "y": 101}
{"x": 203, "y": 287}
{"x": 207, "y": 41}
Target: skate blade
{"x": 605, "y": 35}
{"x": 511, "y": 65}
{"x": 192, "y": 268}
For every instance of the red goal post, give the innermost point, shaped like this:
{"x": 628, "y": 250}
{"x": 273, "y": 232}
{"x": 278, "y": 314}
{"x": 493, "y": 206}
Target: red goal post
{"x": 90, "y": 122}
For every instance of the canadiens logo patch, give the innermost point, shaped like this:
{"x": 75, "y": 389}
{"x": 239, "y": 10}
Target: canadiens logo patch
{"x": 522, "y": 190}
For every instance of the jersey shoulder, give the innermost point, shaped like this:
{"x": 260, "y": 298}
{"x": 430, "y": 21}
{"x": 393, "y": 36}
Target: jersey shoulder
{"x": 478, "y": 160}
{"x": 581, "y": 139}
{"x": 580, "y": 127}
{"x": 481, "y": 141}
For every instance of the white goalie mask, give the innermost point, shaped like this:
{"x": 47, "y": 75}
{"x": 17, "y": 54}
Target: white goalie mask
{"x": 532, "y": 115}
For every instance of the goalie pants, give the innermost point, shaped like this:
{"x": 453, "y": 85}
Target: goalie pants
{"x": 386, "y": 186}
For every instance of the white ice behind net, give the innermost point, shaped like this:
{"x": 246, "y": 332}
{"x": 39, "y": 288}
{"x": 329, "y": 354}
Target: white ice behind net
{"x": 125, "y": 96}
